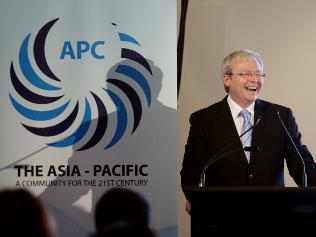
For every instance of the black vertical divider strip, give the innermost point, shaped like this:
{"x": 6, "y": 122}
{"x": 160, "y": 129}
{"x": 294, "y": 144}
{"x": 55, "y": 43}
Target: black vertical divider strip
{"x": 184, "y": 8}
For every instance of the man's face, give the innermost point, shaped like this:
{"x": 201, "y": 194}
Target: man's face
{"x": 244, "y": 89}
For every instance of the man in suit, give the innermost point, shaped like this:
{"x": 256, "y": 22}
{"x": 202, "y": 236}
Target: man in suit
{"x": 219, "y": 126}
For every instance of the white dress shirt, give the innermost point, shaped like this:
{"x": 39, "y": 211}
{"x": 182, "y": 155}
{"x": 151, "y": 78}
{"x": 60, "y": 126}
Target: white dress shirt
{"x": 235, "y": 110}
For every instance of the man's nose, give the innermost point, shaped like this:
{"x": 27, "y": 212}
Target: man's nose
{"x": 253, "y": 77}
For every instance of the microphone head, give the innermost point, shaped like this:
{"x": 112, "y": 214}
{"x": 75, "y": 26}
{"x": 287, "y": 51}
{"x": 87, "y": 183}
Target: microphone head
{"x": 258, "y": 119}
{"x": 252, "y": 127}
{"x": 251, "y": 148}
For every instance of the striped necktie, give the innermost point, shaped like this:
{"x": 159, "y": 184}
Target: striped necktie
{"x": 246, "y": 139}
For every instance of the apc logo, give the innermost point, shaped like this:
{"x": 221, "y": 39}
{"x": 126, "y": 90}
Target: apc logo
{"x": 46, "y": 109}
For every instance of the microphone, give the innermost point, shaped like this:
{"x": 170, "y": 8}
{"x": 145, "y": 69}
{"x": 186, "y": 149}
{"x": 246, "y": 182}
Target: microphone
{"x": 304, "y": 176}
{"x": 251, "y": 148}
{"x": 225, "y": 152}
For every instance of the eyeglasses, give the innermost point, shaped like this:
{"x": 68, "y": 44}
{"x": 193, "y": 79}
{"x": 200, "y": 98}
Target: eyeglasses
{"x": 248, "y": 75}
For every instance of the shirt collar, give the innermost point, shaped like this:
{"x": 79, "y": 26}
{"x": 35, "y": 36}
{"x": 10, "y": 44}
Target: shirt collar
{"x": 235, "y": 108}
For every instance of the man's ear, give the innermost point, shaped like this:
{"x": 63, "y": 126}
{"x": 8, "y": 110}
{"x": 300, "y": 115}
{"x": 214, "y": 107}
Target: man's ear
{"x": 226, "y": 80}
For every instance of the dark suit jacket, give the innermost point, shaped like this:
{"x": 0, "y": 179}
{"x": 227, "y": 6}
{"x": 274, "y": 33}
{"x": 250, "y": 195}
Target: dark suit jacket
{"x": 213, "y": 128}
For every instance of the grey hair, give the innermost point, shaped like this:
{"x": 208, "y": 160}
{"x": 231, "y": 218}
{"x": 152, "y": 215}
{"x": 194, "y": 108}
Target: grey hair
{"x": 231, "y": 58}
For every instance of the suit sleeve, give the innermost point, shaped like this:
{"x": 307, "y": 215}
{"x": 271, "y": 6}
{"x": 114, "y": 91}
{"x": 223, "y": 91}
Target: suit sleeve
{"x": 294, "y": 162}
{"x": 195, "y": 153}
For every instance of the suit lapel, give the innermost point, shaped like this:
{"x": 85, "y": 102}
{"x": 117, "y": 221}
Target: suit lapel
{"x": 229, "y": 131}
{"x": 257, "y": 130}
{"x": 226, "y": 123}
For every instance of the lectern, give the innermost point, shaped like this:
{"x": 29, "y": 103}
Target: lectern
{"x": 252, "y": 211}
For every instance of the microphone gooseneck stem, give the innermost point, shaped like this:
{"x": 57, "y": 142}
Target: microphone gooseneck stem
{"x": 202, "y": 180}
{"x": 304, "y": 176}
{"x": 222, "y": 153}
{"x": 211, "y": 161}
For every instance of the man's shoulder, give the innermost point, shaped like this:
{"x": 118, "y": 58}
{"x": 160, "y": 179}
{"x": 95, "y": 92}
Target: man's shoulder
{"x": 267, "y": 105}
{"x": 209, "y": 110}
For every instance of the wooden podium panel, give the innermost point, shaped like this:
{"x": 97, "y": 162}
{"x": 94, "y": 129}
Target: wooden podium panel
{"x": 251, "y": 211}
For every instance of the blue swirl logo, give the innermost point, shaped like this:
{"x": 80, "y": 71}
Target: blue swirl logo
{"x": 41, "y": 99}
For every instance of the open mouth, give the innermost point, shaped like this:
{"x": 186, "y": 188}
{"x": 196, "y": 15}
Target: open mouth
{"x": 251, "y": 88}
